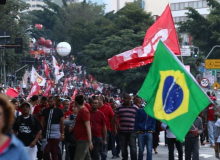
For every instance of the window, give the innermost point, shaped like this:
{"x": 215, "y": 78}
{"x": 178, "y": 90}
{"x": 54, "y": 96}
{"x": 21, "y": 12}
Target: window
{"x": 186, "y": 4}
{"x": 204, "y": 4}
{"x": 199, "y": 4}
{"x": 33, "y": 6}
{"x": 181, "y": 6}
{"x": 177, "y": 7}
{"x": 172, "y": 6}
{"x": 195, "y": 5}
{"x": 182, "y": 18}
{"x": 177, "y": 19}
{"x": 191, "y": 4}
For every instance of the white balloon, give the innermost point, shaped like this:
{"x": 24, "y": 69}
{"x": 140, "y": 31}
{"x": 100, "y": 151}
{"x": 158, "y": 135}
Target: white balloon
{"x": 63, "y": 48}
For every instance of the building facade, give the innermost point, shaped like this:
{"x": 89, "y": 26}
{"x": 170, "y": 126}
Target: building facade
{"x": 178, "y": 8}
{"x": 156, "y": 7}
{"x": 35, "y": 4}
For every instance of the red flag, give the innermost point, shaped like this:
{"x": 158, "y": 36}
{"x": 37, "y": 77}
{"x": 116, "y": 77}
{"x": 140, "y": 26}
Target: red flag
{"x": 163, "y": 29}
{"x": 46, "y": 69}
{"x": 65, "y": 84}
{"x": 48, "y": 88}
{"x": 86, "y": 83}
{"x": 34, "y": 90}
{"x": 74, "y": 94}
{"x": 12, "y": 92}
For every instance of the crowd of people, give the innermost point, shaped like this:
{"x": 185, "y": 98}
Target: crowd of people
{"x": 88, "y": 128}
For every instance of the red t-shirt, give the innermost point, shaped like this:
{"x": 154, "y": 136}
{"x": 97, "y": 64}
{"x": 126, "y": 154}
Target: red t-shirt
{"x": 80, "y": 132}
{"x": 60, "y": 106}
{"x": 108, "y": 112}
{"x": 4, "y": 145}
{"x": 67, "y": 114}
{"x": 87, "y": 106}
{"x": 37, "y": 109}
{"x": 211, "y": 113}
{"x": 97, "y": 122}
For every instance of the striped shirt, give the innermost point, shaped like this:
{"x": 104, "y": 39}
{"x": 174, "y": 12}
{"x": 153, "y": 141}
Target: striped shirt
{"x": 126, "y": 117}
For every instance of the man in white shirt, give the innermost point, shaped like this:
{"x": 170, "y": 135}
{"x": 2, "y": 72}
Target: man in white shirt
{"x": 15, "y": 102}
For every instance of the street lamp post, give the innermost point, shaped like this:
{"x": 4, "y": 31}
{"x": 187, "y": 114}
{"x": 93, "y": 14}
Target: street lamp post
{"x": 16, "y": 72}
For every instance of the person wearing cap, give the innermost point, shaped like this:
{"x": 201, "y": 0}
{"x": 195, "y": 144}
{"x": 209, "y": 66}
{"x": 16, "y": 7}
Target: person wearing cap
{"x": 28, "y": 129}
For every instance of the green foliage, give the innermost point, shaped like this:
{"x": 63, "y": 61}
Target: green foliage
{"x": 13, "y": 20}
{"x": 205, "y": 31}
{"x": 125, "y": 31}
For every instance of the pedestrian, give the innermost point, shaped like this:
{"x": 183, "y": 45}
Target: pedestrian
{"x": 171, "y": 141}
{"x": 28, "y": 129}
{"x": 34, "y": 100}
{"x": 15, "y": 102}
{"x": 10, "y": 146}
{"x": 145, "y": 127}
{"x": 99, "y": 130}
{"x": 192, "y": 140}
{"x": 126, "y": 113}
{"x": 82, "y": 131}
{"x": 109, "y": 115}
{"x": 52, "y": 122}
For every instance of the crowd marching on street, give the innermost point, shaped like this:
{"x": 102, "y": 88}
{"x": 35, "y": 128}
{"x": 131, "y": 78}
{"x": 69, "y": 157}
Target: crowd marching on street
{"x": 88, "y": 127}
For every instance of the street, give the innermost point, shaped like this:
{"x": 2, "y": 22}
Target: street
{"x": 206, "y": 153}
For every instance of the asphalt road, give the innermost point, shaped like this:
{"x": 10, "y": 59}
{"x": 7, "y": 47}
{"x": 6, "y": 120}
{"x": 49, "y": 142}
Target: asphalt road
{"x": 205, "y": 152}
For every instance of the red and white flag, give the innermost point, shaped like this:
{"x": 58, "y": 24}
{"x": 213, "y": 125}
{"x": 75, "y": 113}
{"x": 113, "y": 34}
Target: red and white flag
{"x": 35, "y": 77}
{"x": 65, "y": 84}
{"x": 46, "y": 69}
{"x": 11, "y": 92}
{"x": 34, "y": 90}
{"x": 86, "y": 83}
{"x": 74, "y": 94}
{"x": 48, "y": 88}
{"x": 163, "y": 29}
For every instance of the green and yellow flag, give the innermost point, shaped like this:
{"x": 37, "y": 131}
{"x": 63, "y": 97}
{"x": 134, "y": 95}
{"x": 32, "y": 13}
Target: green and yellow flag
{"x": 172, "y": 94}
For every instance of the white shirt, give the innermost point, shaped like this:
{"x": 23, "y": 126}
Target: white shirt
{"x": 19, "y": 113}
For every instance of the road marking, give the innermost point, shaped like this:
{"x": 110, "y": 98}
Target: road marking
{"x": 201, "y": 155}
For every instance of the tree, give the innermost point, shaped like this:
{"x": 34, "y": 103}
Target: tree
{"x": 124, "y": 31}
{"x": 12, "y": 19}
{"x": 205, "y": 31}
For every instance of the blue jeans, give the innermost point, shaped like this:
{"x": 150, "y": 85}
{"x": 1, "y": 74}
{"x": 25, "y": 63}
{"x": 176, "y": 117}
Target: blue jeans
{"x": 115, "y": 150}
{"x": 145, "y": 139}
{"x": 211, "y": 131}
{"x": 105, "y": 152}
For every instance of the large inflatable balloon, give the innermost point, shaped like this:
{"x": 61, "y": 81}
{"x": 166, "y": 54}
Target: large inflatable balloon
{"x": 48, "y": 43}
{"x": 41, "y": 41}
{"x": 63, "y": 48}
{"x": 39, "y": 26}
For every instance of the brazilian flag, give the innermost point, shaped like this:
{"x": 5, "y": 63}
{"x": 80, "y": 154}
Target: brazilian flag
{"x": 171, "y": 92}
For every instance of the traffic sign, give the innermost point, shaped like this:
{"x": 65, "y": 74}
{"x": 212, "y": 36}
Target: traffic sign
{"x": 204, "y": 82}
{"x": 185, "y": 52}
{"x": 216, "y": 85}
{"x": 212, "y": 63}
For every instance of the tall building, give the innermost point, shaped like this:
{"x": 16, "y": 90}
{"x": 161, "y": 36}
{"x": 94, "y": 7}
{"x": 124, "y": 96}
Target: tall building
{"x": 156, "y": 7}
{"x": 34, "y": 4}
{"x": 178, "y": 8}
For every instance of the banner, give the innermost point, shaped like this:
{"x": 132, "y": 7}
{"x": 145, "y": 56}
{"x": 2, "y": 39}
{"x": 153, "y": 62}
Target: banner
{"x": 48, "y": 88}
{"x": 25, "y": 80}
{"x": 65, "y": 84}
{"x": 46, "y": 69}
{"x": 86, "y": 83}
{"x": 34, "y": 90}
{"x": 55, "y": 64}
{"x": 74, "y": 94}
{"x": 35, "y": 77}
{"x": 163, "y": 29}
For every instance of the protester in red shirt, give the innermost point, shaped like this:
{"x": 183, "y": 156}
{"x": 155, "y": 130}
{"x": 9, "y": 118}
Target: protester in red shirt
{"x": 66, "y": 107}
{"x": 108, "y": 112}
{"x": 59, "y": 102}
{"x": 39, "y": 108}
{"x": 82, "y": 130}
{"x": 99, "y": 130}
{"x": 211, "y": 122}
